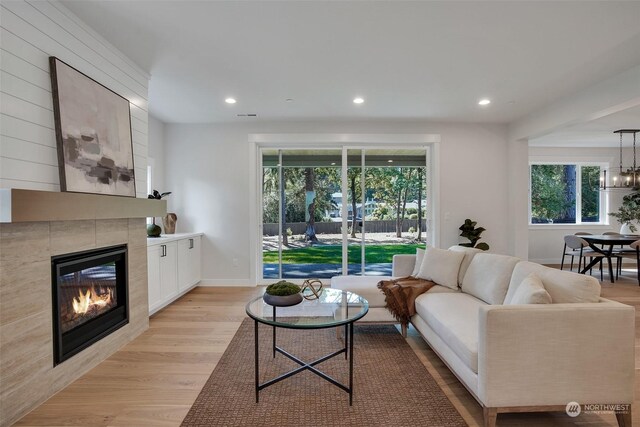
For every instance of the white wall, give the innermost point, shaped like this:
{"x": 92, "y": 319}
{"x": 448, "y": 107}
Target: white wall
{"x": 209, "y": 174}
{"x": 156, "y": 157}
{"x": 546, "y": 241}
{"x": 30, "y": 32}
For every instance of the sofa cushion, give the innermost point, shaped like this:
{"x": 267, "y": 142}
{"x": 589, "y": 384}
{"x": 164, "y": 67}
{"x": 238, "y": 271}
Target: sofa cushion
{"x": 469, "y": 253}
{"x": 441, "y": 266}
{"x": 530, "y": 291}
{"x": 437, "y": 289}
{"x": 419, "y": 258}
{"x": 454, "y": 317}
{"x": 488, "y": 277}
{"x": 365, "y": 286}
{"x": 563, "y": 286}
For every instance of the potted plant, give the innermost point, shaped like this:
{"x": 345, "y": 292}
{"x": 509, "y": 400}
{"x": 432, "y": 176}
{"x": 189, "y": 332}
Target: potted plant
{"x": 470, "y": 232}
{"x": 154, "y": 230}
{"x": 628, "y": 214}
{"x": 282, "y": 294}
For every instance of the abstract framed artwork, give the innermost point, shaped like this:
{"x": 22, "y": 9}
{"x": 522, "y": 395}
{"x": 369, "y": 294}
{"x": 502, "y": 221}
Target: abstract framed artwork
{"x": 93, "y": 134}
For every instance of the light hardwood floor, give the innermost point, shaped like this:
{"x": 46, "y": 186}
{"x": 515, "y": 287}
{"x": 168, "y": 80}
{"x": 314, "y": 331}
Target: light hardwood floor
{"x": 154, "y": 380}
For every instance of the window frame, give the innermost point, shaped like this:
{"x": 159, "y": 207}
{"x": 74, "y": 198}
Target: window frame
{"x": 603, "y": 196}
{"x": 329, "y": 140}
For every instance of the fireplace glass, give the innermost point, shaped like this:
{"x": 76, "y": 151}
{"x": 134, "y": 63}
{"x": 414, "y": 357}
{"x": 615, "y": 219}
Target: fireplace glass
{"x": 86, "y": 294}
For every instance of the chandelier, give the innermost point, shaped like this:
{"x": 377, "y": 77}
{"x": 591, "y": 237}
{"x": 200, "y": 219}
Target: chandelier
{"x": 622, "y": 178}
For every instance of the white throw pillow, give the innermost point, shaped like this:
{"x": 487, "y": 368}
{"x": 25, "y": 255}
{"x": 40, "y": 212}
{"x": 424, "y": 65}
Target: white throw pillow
{"x": 469, "y": 253}
{"x": 419, "y": 258}
{"x": 441, "y": 266}
{"x": 563, "y": 286}
{"x": 531, "y": 291}
{"x": 488, "y": 277}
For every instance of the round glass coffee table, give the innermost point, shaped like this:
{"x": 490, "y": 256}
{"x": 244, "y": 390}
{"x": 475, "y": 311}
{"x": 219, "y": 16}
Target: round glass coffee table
{"x": 334, "y": 308}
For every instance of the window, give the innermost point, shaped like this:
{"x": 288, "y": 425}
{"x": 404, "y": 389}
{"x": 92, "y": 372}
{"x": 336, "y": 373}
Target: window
{"x": 566, "y": 194}
{"x": 149, "y": 183}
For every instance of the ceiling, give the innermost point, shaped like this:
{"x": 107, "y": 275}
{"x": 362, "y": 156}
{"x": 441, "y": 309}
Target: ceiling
{"x": 408, "y": 60}
{"x": 596, "y": 133}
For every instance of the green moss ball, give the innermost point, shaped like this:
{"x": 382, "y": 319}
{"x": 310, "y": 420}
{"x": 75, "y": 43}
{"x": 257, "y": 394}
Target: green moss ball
{"x": 283, "y": 288}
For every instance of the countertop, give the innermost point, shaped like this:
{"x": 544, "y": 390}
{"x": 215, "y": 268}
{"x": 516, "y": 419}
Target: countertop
{"x": 165, "y": 238}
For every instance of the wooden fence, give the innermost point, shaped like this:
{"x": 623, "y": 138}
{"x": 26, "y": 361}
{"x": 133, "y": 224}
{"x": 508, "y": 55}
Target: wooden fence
{"x": 271, "y": 229}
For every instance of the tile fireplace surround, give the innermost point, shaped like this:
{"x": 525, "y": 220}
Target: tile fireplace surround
{"x": 27, "y": 373}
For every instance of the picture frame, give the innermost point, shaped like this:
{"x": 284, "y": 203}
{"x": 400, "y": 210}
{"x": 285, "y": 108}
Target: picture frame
{"x": 93, "y": 134}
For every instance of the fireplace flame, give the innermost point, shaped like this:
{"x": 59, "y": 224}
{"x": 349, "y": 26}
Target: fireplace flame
{"x": 91, "y": 298}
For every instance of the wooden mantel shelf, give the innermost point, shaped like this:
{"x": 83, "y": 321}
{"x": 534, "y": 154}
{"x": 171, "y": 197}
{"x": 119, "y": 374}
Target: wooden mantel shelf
{"x": 18, "y": 205}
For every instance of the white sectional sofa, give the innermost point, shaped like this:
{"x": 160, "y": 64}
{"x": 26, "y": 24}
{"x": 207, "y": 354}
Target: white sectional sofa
{"x": 521, "y": 357}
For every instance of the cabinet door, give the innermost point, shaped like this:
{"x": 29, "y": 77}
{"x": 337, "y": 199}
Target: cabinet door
{"x": 168, "y": 270}
{"x": 184, "y": 264}
{"x": 196, "y": 259}
{"x": 153, "y": 267}
{"x": 188, "y": 262}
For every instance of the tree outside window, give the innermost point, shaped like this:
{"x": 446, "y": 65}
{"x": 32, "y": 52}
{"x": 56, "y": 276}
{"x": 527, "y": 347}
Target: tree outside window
{"x": 565, "y": 194}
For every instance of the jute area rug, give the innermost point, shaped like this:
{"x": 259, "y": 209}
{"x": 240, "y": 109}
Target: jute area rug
{"x": 391, "y": 386}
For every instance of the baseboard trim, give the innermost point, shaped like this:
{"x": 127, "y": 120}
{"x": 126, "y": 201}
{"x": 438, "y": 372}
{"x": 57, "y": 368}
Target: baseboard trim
{"x": 551, "y": 261}
{"x": 226, "y": 283}
{"x": 567, "y": 261}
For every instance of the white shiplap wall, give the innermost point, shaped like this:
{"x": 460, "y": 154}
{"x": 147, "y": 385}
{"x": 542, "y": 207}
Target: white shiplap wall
{"x": 30, "y": 32}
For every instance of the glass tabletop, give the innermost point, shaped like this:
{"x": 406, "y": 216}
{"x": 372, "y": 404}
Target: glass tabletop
{"x": 333, "y": 308}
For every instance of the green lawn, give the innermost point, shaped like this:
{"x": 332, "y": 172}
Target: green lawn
{"x": 332, "y": 254}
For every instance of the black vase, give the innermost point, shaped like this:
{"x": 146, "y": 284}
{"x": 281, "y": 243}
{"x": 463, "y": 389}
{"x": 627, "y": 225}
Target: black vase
{"x": 282, "y": 300}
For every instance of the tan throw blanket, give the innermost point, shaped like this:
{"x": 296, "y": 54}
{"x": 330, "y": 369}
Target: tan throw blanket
{"x": 400, "y": 295}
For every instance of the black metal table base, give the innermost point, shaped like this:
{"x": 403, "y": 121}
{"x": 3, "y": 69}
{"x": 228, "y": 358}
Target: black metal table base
{"x": 304, "y": 366}
{"x": 605, "y": 254}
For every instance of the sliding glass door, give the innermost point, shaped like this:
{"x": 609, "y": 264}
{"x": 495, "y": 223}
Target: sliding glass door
{"x": 301, "y": 225}
{"x": 387, "y": 192}
{"x": 346, "y": 210}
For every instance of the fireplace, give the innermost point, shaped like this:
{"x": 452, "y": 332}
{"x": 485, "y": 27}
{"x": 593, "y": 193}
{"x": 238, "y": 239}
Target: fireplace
{"x": 89, "y": 298}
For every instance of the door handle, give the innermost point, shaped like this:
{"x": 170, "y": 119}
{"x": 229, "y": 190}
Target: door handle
{"x": 190, "y": 243}
{"x": 164, "y": 251}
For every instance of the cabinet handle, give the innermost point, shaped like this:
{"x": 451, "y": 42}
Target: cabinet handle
{"x": 164, "y": 251}
{"x": 190, "y": 243}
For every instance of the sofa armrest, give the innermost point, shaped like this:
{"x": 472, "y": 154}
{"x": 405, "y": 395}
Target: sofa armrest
{"x": 552, "y": 354}
{"x": 403, "y": 265}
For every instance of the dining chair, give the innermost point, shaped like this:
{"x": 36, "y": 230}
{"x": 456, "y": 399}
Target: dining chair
{"x": 586, "y": 233}
{"x": 577, "y": 246}
{"x": 633, "y": 253}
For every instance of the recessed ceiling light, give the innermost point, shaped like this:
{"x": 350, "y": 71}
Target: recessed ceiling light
{"x": 358, "y": 100}
{"x": 230, "y": 100}
{"x": 389, "y": 161}
{"x": 484, "y": 102}
{"x": 289, "y": 99}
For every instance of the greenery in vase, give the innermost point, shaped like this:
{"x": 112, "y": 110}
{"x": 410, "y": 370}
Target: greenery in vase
{"x": 629, "y": 211}
{"x": 282, "y": 288}
{"x": 157, "y": 196}
{"x": 469, "y": 231}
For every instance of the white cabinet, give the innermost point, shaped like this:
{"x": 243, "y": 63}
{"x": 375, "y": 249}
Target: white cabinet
{"x": 188, "y": 262}
{"x": 174, "y": 268}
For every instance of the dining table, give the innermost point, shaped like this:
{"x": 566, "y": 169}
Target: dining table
{"x": 604, "y": 244}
